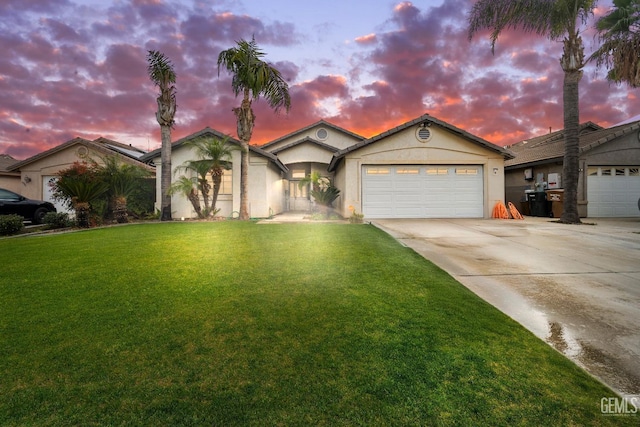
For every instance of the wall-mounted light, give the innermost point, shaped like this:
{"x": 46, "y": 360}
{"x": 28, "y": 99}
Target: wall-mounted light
{"x": 27, "y": 180}
{"x": 425, "y": 125}
{"x": 495, "y": 171}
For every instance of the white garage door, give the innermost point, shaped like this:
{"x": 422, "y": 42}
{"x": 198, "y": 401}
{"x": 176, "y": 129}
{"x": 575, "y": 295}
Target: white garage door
{"x": 422, "y": 191}
{"x": 47, "y": 194}
{"x": 613, "y": 191}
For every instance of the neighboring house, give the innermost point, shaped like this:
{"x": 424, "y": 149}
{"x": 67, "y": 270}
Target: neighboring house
{"x": 9, "y": 180}
{"x": 37, "y": 172}
{"x": 609, "y": 181}
{"x": 266, "y": 178}
{"x": 424, "y": 168}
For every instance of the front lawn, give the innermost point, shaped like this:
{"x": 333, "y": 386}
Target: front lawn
{"x": 235, "y": 323}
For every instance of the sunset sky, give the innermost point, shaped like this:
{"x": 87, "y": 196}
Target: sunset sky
{"x": 78, "y": 68}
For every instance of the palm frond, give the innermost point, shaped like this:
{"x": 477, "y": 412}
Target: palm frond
{"x": 251, "y": 74}
{"x": 160, "y": 68}
{"x": 530, "y": 16}
{"x": 619, "y": 35}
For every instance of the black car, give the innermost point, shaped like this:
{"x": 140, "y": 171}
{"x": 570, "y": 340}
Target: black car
{"x": 30, "y": 210}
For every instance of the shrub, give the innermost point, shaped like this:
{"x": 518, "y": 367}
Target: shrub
{"x": 57, "y": 220}
{"x": 355, "y": 218}
{"x": 11, "y": 224}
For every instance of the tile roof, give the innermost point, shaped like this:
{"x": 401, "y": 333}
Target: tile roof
{"x": 551, "y": 146}
{"x": 101, "y": 145}
{"x": 6, "y": 161}
{"x": 301, "y": 141}
{"x": 212, "y": 132}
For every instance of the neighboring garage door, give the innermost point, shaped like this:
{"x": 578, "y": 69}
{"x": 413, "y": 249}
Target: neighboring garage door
{"x": 447, "y": 191}
{"x": 613, "y": 191}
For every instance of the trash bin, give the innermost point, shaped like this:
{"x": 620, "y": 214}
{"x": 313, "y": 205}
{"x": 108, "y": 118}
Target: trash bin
{"x": 556, "y": 197}
{"x": 538, "y": 204}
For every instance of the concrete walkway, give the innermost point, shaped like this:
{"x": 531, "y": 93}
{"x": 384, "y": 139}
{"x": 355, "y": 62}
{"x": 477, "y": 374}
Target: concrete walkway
{"x": 575, "y": 286}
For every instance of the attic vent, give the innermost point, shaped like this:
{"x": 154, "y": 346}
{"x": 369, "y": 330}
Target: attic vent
{"x": 322, "y": 134}
{"x": 423, "y": 134}
{"x": 82, "y": 152}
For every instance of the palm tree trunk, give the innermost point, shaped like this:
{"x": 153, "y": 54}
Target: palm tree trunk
{"x": 165, "y": 179}
{"x": 195, "y": 202}
{"x": 572, "y": 61}
{"x": 246, "y": 119}
{"x": 217, "y": 180}
{"x": 204, "y": 189}
{"x": 244, "y": 178}
{"x": 120, "y": 209}
{"x": 82, "y": 214}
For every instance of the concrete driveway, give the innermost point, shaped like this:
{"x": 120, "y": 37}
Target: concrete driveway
{"x": 577, "y": 287}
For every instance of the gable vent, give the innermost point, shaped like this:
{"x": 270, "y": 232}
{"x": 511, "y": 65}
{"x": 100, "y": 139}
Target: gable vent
{"x": 423, "y": 134}
{"x": 322, "y": 134}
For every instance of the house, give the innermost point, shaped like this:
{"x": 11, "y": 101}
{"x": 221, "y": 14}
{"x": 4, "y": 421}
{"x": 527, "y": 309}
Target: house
{"x": 424, "y": 168}
{"x": 9, "y": 180}
{"x": 609, "y": 181}
{"x": 265, "y": 178}
{"x": 34, "y": 175}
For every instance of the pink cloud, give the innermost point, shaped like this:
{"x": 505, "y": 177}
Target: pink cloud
{"x": 60, "y": 80}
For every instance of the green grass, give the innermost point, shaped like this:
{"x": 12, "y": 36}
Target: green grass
{"x": 241, "y": 324}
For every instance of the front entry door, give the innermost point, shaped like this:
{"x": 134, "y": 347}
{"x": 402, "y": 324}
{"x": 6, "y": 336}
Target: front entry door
{"x": 298, "y": 197}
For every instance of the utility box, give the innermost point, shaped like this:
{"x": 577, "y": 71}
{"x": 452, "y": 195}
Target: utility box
{"x": 554, "y": 181}
{"x": 556, "y": 197}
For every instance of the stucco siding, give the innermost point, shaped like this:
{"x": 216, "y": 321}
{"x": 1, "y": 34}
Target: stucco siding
{"x": 265, "y": 188}
{"x": 11, "y": 182}
{"x": 334, "y": 138}
{"x": 306, "y": 152}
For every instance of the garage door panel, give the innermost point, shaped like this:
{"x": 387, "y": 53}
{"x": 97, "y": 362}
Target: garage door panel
{"x": 423, "y": 192}
{"x": 408, "y": 212}
{"x": 613, "y": 191}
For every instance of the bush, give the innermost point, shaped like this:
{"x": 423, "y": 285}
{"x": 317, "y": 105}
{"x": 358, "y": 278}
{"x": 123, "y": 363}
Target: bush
{"x": 11, "y": 224}
{"x": 57, "y": 220}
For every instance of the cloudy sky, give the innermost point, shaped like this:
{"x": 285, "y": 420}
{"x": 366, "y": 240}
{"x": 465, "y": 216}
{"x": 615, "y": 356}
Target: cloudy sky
{"x": 78, "y": 68}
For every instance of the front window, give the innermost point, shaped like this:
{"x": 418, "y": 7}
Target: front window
{"x": 226, "y": 185}
{"x": 298, "y": 174}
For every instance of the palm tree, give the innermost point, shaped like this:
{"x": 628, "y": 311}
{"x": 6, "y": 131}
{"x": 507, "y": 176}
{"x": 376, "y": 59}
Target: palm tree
{"x": 122, "y": 180}
{"x": 619, "y": 35}
{"x": 186, "y": 187}
{"x": 322, "y": 190}
{"x": 161, "y": 73}
{"x": 79, "y": 186}
{"x": 252, "y": 77}
{"x": 216, "y": 154}
{"x": 201, "y": 168}
{"x": 556, "y": 20}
